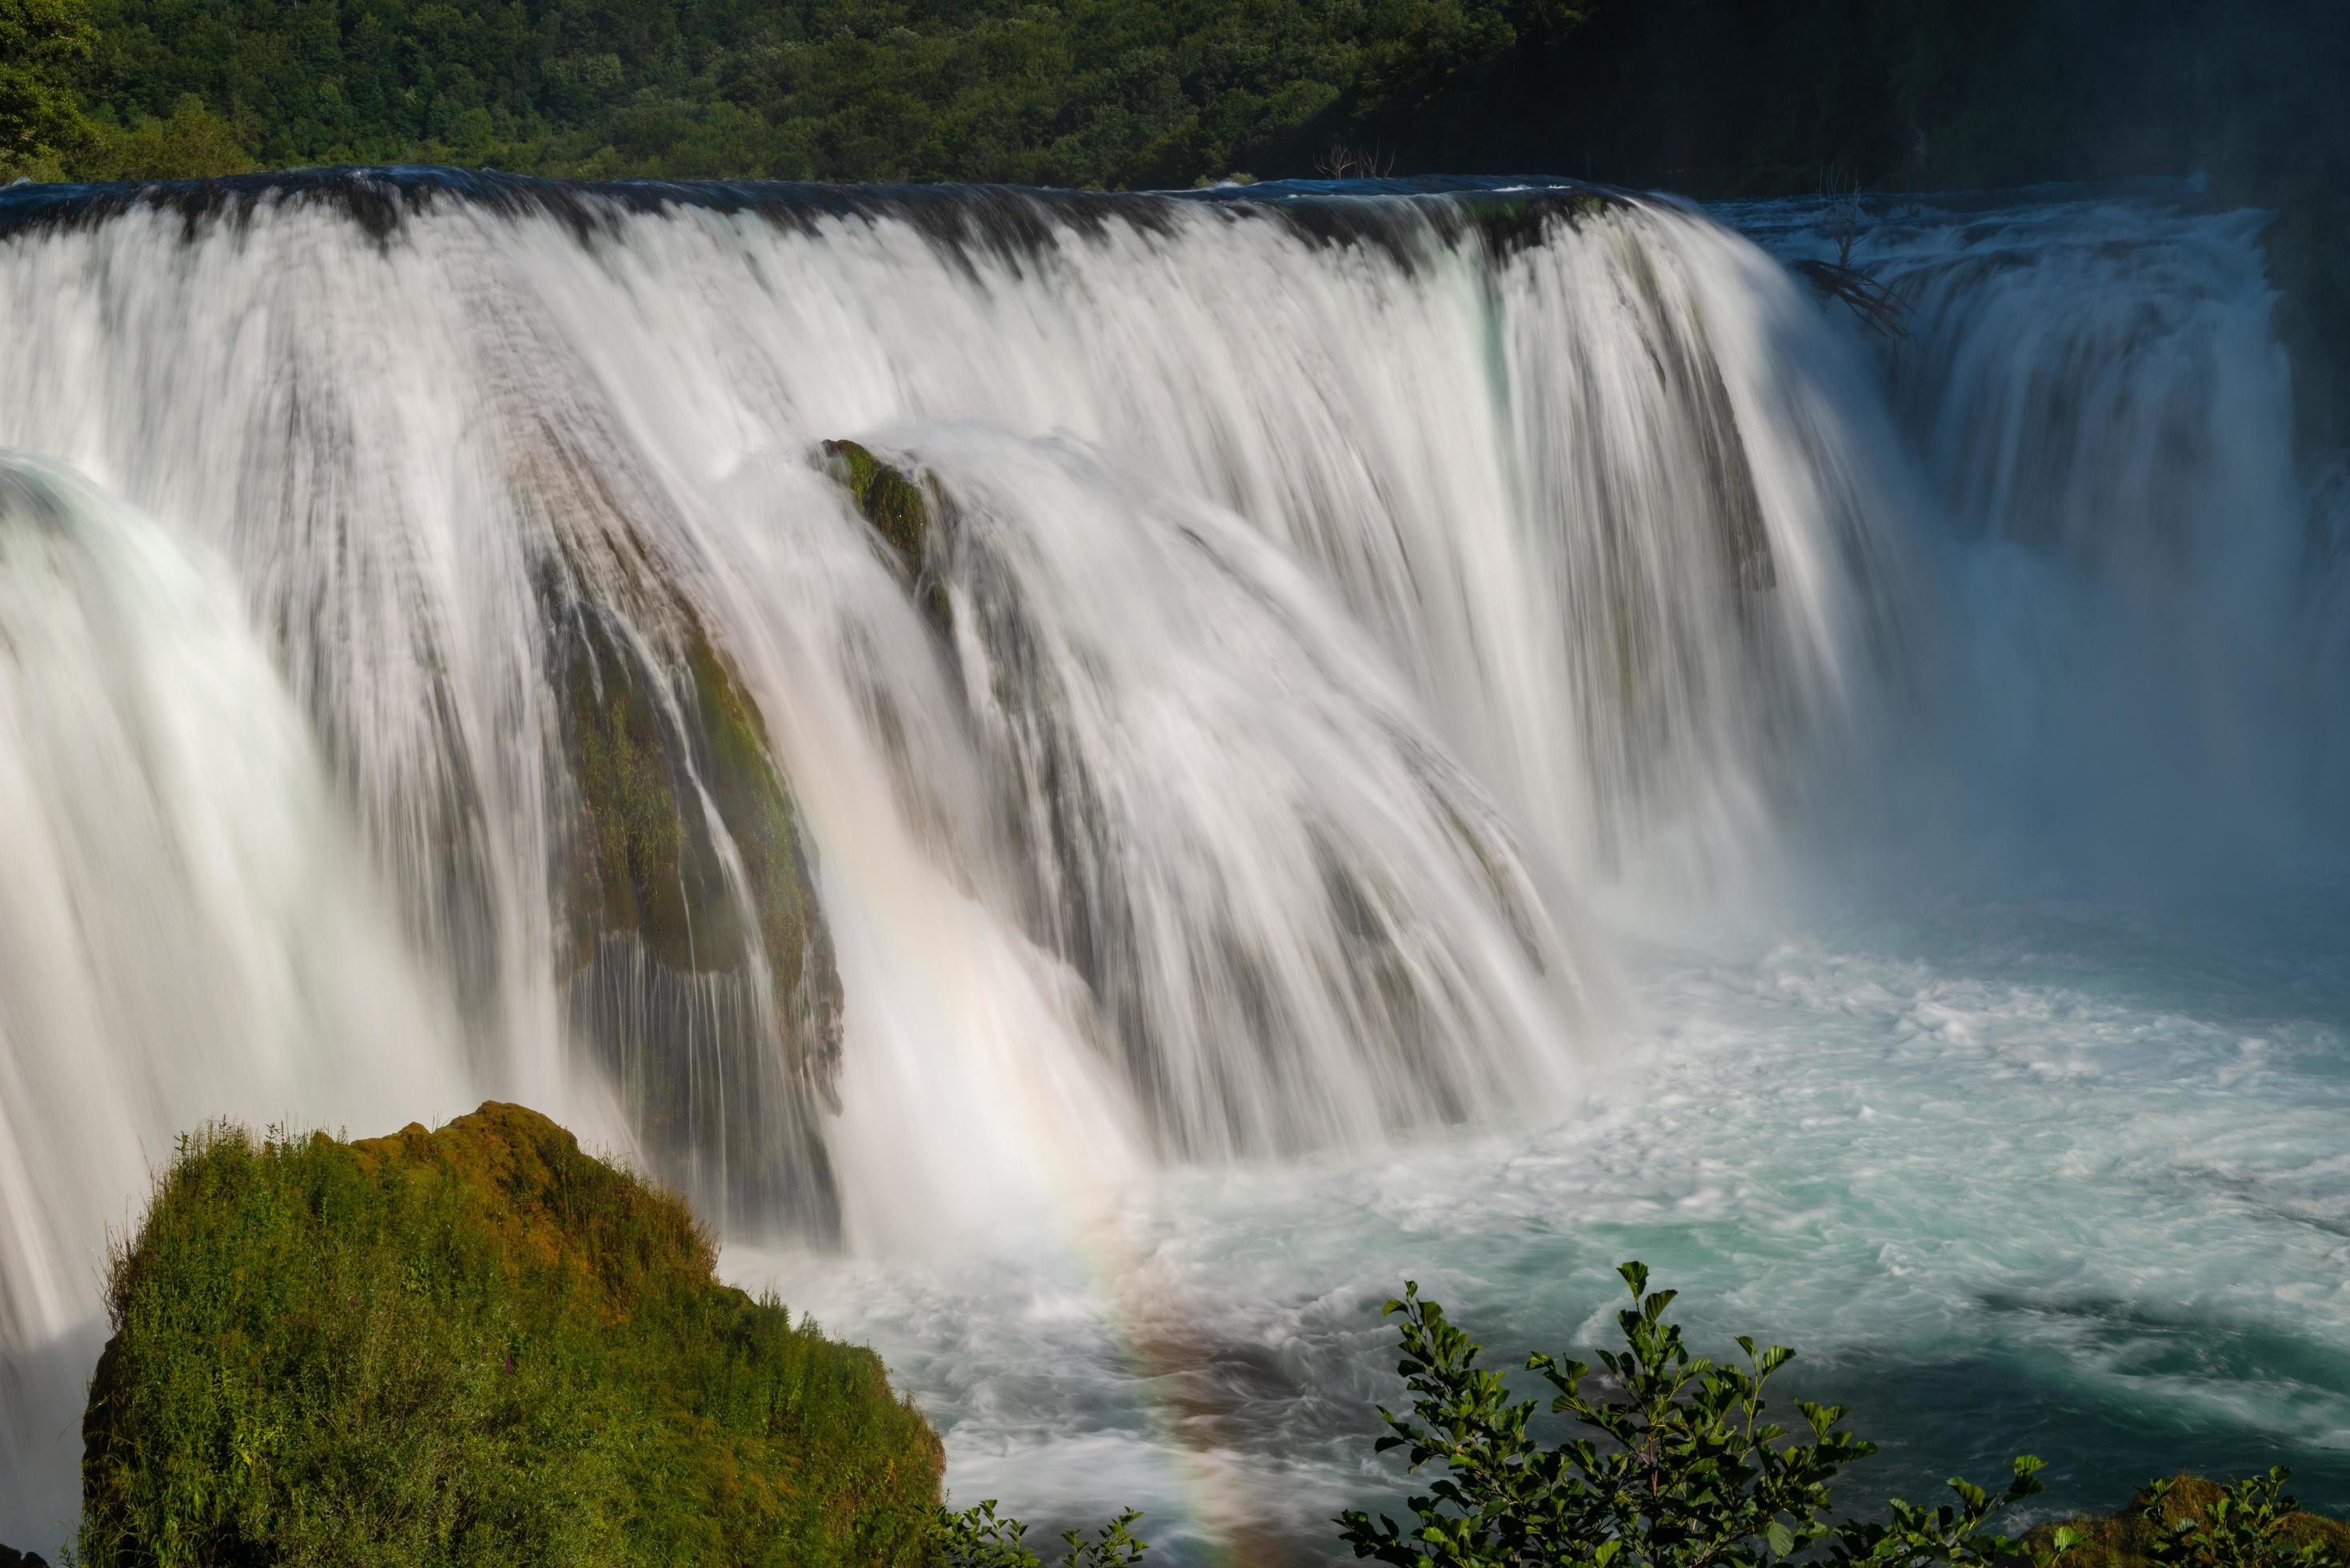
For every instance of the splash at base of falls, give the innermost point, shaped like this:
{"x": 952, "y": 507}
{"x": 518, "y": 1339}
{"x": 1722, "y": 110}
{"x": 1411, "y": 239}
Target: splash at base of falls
{"x": 2020, "y": 1177}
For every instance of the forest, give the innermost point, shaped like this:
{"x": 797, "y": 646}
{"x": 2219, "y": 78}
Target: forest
{"x": 1710, "y": 96}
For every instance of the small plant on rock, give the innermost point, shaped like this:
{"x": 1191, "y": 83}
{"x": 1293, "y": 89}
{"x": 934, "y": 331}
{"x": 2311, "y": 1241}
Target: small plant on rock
{"x": 979, "y": 1538}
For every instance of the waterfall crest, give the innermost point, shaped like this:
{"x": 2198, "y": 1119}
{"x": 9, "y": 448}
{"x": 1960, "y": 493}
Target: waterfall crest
{"x": 1469, "y": 460}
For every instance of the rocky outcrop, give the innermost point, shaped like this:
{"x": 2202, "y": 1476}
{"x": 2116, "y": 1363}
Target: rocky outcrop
{"x": 900, "y": 511}
{"x": 2126, "y": 1540}
{"x": 476, "y": 1344}
{"x": 693, "y": 948}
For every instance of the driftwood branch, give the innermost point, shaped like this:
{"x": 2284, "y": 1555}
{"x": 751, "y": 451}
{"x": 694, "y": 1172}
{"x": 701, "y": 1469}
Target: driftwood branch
{"x": 1879, "y": 308}
{"x": 1343, "y": 163}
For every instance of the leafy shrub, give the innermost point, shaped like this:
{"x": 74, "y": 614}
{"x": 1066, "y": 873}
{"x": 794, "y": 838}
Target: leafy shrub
{"x": 2246, "y": 1525}
{"x": 1681, "y": 1469}
{"x": 979, "y": 1538}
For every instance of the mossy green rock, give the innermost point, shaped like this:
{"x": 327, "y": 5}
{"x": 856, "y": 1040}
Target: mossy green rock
{"x": 474, "y": 1345}
{"x": 694, "y": 951}
{"x": 641, "y": 734}
{"x": 690, "y": 951}
{"x": 890, "y": 500}
{"x": 900, "y": 512}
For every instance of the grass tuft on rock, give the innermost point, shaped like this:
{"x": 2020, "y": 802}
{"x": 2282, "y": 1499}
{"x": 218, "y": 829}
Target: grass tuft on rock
{"x": 474, "y": 1345}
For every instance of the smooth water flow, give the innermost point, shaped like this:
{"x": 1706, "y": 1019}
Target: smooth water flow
{"x": 2133, "y": 559}
{"x": 190, "y": 928}
{"x": 1315, "y": 732}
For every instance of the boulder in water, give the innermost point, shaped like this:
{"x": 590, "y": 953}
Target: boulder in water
{"x": 899, "y": 511}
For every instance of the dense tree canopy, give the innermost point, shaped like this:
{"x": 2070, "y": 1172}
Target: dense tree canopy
{"x": 1711, "y": 96}
{"x": 41, "y": 125}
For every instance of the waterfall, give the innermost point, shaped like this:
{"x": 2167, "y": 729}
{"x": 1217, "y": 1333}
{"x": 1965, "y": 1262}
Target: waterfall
{"x": 900, "y": 710}
{"x": 190, "y": 928}
{"x": 2132, "y": 553}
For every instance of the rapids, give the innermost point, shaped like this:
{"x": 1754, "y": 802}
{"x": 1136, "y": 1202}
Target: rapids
{"x": 1465, "y": 728}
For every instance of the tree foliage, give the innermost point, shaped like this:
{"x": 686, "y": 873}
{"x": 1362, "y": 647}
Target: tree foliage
{"x": 1703, "y": 96}
{"x": 1068, "y": 92}
{"x": 1673, "y": 1462}
{"x": 41, "y": 122}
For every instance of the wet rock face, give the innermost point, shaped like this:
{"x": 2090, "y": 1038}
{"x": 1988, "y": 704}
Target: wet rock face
{"x": 692, "y": 949}
{"x": 899, "y": 511}
{"x": 641, "y": 735}
{"x": 696, "y": 953}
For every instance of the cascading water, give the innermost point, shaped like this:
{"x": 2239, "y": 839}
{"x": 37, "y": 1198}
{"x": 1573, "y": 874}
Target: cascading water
{"x": 2132, "y": 557}
{"x": 189, "y": 929}
{"x": 956, "y": 720}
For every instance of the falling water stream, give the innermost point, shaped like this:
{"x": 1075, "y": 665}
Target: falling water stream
{"x": 1318, "y": 734}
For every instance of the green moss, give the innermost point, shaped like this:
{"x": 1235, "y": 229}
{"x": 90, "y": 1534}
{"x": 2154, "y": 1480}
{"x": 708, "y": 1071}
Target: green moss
{"x": 899, "y": 511}
{"x": 475, "y": 1345}
{"x": 892, "y": 502}
{"x": 640, "y": 737}
{"x": 2122, "y": 1540}
{"x": 628, "y": 783}
{"x": 738, "y": 760}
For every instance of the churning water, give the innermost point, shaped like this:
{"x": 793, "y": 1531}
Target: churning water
{"x": 1467, "y": 731}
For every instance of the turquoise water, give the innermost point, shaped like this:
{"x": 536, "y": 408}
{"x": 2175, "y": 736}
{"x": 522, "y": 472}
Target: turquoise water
{"x": 2038, "y": 1177}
